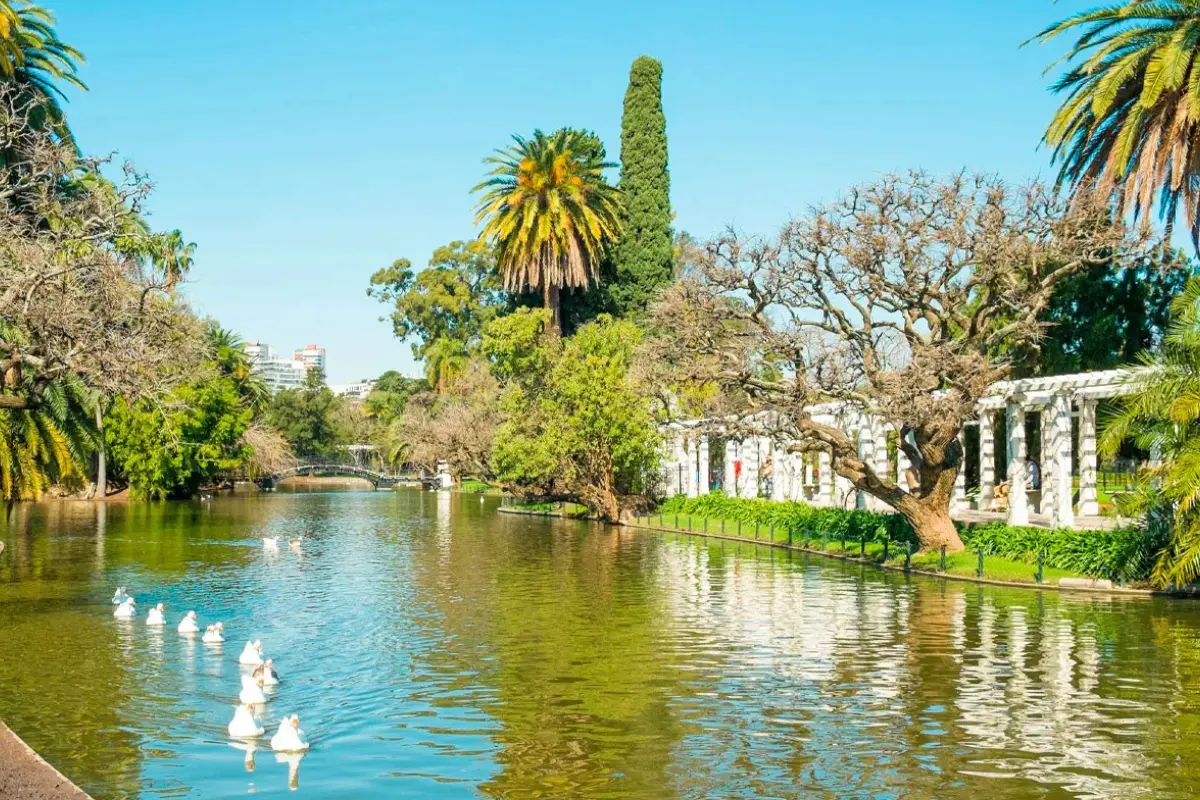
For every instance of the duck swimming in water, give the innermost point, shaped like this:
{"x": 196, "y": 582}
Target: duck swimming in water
{"x": 119, "y": 596}
{"x": 251, "y": 654}
{"x": 155, "y": 617}
{"x": 252, "y": 691}
{"x": 294, "y": 544}
{"x": 126, "y": 609}
{"x": 270, "y": 543}
{"x": 289, "y": 738}
{"x": 267, "y": 672}
{"x": 212, "y": 634}
{"x": 188, "y": 623}
{"x": 243, "y": 725}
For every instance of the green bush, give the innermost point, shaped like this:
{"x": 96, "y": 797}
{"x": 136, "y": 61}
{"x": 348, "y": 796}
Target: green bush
{"x": 1124, "y": 554}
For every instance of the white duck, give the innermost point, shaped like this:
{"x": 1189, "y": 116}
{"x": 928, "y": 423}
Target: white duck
{"x": 126, "y": 610}
{"x": 267, "y": 672}
{"x": 243, "y": 725}
{"x": 155, "y": 617}
{"x": 289, "y": 738}
{"x": 188, "y": 623}
{"x": 119, "y": 596}
{"x": 270, "y": 543}
{"x": 251, "y": 654}
{"x": 212, "y": 634}
{"x": 252, "y": 692}
{"x": 295, "y": 544}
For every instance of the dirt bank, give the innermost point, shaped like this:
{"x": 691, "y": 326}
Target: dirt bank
{"x": 25, "y": 776}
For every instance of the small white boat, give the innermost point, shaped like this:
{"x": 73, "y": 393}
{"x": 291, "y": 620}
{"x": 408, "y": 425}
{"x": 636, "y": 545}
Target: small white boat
{"x": 212, "y": 634}
{"x": 188, "y": 623}
{"x": 252, "y": 691}
{"x": 126, "y": 610}
{"x": 251, "y": 654}
{"x": 267, "y": 672}
{"x": 155, "y": 617}
{"x": 243, "y": 724}
{"x": 289, "y": 738}
{"x": 119, "y": 596}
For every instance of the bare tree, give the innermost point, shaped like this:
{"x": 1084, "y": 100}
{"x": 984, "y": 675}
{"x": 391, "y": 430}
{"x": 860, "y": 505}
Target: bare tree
{"x": 892, "y": 303}
{"x": 85, "y": 286}
{"x": 456, "y": 425}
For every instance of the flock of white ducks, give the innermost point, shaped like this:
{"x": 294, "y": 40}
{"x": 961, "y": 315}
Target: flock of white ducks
{"x": 244, "y": 727}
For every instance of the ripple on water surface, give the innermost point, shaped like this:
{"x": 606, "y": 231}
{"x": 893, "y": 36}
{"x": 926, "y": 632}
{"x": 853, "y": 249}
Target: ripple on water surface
{"x": 435, "y": 648}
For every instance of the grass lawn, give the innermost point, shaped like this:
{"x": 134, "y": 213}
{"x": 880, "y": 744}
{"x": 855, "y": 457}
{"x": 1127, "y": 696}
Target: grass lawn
{"x": 995, "y": 568}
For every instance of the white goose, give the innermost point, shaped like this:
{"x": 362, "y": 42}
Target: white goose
{"x": 188, "y": 623}
{"x": 295, "y": 544}
{"x": 251, "y": 654}
{"x": 289, "y": 738}
{"x": 243, "y": 725}
{"x": 252, "y": 693}
{"x": 212, "y": 634}
{"x": 267, "y": 672}
{"x": 119, "y": 596}
{"x": 155, "y": 617}
{"x": 270, "y": 543}
{"x": 126, "y": 609}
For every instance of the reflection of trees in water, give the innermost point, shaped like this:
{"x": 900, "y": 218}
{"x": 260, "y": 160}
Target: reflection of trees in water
{"x": 569, "y": 655}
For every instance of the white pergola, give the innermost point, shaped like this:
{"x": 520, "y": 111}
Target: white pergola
{"x": 1056, "y": 399}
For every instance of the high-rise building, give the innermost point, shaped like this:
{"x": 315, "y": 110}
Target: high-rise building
{"x": 359, "y": 389}
{"x": 312, "y": 357}
{"x": 276, "y": 371}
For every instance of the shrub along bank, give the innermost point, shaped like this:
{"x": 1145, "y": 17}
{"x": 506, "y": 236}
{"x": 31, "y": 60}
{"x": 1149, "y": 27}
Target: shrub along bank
{"x": 1123, "y": 555}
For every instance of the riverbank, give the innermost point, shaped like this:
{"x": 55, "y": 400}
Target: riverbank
{"x": 24, "y": 775}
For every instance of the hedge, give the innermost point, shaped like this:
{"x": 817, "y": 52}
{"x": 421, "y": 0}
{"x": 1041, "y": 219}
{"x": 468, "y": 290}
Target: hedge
{"x": 1121, "y": 555}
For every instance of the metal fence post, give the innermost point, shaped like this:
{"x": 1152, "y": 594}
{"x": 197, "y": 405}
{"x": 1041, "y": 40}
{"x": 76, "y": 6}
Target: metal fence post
{"x": 908, "y": 556}
{"x": 979, "y": 566}
{"x": 1040, "y": 575}
{"x": 942, "y": 563}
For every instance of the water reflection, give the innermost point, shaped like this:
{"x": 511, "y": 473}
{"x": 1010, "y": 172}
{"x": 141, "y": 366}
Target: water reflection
{"x": 436, "y": 648}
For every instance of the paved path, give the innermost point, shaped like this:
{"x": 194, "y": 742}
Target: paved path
{"x": 25, "y": 776}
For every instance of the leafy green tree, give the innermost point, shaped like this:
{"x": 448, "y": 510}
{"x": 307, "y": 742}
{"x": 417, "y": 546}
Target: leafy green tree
{"x": 644, "y": 255}
{"x": 1104, "y": 317}
{"x": 1163, "y": 414}
{"x": 171, "y": 449}
{"x": 577, "y": 425}
{"x": 306, "y": 417}
{"x": 443, "y": 307}
{"x": 33, "y": 60}
{"x": 1131, "y": 113}
{"x": 390, "y": 395}
{"x": 550, "y": 212}
{"x": 47, "y": 443}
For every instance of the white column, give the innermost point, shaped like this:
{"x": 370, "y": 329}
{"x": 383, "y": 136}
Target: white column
{"x": 1049, "y": 493}
{"x": 779, "y": 473}
{"x": 1064, "y": 514}
{"x": 958, "y": 496}
{"x": 866, "y": 451}
{"x": 881, "y": 460}
{"x": 705, "y": 486}
{"x": 903, "y": 465}
{"x": 677, "y": 478}
{"x": 824, "y": 479}
{"x": 750, "y": 467}
{"x": 691, "y": 449}
{"x": 1089, "y": 506}
{"x": 732, "y": 454}
{"x": 987, "y": 461}
{"x": 1018, "y": 508}
{"x": 799, "y": 476}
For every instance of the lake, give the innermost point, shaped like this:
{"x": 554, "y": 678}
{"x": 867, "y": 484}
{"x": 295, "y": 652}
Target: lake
{"x": 435, "y": 648}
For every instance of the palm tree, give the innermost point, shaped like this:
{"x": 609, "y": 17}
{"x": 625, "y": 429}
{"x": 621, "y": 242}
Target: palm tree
{"x": 1163, "y": 416}
{"x": 33, "y": 60}
{"x": 550, "y": 212}
{"x": 47, "y": 443}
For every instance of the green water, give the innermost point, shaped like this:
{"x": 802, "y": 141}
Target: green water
{"x": 436, "y": 648}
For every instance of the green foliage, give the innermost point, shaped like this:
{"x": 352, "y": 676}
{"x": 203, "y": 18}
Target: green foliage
{"x": 306, "y": 417}
{"x": 391, "y": 393}
{"x": 48, "y": 443}
{"x": 576, "y": 424}
{"x": 1124, "y": 554}
{"x": 1104, "y": 317}
{"x": 1131, "y": 108}
{"x": 171, "y": 449}
{"x": 444, "y": 306}
{"x": 33, "y": 59}
{"x": 1163, "y": 414}
{"x": 644, "y": 255}
{"x": 550, "y": 212}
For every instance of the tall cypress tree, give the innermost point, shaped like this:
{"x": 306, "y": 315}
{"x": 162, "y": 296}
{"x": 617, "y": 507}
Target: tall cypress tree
{"x": 644, "y": 253}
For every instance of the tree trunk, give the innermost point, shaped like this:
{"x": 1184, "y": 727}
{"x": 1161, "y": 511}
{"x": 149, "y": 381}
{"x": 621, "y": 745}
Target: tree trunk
{"x": 933, "y": 526}
{"x": 101, "y": 456}
{"x": 553, "y": 303}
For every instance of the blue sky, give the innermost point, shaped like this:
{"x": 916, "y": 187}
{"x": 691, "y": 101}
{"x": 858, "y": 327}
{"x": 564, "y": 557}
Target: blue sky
{"x": 302, "y": 144}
